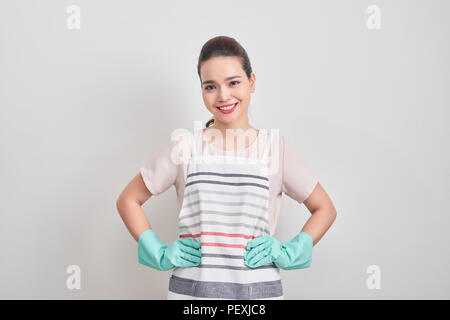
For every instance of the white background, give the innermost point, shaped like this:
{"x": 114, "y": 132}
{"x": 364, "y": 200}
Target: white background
{"x": 82, "y": 110}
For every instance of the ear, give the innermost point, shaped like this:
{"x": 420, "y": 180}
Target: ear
{"x": 252, "y": 82}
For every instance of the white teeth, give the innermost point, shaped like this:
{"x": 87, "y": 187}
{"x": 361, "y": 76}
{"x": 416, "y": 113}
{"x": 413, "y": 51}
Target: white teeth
{"x": 227, "y": 108}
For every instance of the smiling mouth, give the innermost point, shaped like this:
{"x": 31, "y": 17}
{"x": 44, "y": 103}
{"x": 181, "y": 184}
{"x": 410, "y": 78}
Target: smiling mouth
{"x": 227, "y": 107}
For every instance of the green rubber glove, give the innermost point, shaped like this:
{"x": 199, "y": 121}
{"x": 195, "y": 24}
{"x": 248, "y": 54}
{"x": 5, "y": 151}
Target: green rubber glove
{"x": 154, "y": 253}
{"x": 293, "y": 254}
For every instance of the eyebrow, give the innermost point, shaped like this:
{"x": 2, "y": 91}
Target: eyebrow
{"x": 212, "y": 81}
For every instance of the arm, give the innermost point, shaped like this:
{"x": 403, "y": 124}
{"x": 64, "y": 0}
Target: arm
{"x": 152, "y": 251}
{"x": 323, "y": 213}
{"x": 129, "y": 205}
{"x": 295, "y": 253}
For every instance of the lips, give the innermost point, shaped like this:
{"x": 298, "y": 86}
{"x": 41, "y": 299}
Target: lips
{"x": 230, "y": 109}
{"x": 226, "y": 105}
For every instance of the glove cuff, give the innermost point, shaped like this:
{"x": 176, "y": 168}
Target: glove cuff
{"x": 297, "y": 252}
{"x": 305, "y": 238}
{"x": 151, "y": 251}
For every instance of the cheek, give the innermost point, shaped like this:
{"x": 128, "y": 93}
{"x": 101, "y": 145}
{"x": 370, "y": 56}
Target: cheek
{"x": 206, "y": 97}
{"x": 243, "y": 93}
{"x": 209, "y": 101}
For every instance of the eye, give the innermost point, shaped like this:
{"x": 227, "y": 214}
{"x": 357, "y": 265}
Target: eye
{"x": 236, "y": 82}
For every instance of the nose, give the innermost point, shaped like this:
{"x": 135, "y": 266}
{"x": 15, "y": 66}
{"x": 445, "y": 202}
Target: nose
{"x": 224, "y": 94}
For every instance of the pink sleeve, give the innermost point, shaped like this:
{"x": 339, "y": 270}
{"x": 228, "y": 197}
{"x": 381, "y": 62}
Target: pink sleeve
{"x": 298, "y": 180}
{"x": 160, "y": 172}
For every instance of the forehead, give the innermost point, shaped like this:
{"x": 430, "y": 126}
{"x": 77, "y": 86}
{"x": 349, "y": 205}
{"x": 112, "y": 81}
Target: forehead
{"x": 219, "y": 68}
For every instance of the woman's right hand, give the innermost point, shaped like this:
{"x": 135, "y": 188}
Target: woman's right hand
{"x": 184, "y": 252}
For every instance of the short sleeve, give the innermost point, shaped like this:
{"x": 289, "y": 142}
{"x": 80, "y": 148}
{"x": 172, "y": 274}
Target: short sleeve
{"x": 161, "y": 171}
{"x": 298, "y": 180}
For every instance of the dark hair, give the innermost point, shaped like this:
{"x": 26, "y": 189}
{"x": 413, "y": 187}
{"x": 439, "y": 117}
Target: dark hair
{"x": 223, "y": 46}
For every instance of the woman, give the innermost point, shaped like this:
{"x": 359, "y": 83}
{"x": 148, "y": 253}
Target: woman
{"x": 227, "y": 209}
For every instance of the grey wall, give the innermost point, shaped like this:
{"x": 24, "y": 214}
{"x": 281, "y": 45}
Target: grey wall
{"x": 82, "y": 110}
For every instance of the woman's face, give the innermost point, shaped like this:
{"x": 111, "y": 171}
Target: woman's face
{"x": 224, "y": 82}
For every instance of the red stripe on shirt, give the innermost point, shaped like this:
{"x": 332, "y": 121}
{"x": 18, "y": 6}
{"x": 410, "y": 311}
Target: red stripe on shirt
{"x": 213, "y": 244}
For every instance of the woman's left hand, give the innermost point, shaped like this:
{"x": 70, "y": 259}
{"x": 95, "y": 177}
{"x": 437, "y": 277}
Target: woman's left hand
{"x": 261, "y": 251}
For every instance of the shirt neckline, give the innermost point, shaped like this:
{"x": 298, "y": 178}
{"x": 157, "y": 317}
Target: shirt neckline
{"x": 251, "y": 146}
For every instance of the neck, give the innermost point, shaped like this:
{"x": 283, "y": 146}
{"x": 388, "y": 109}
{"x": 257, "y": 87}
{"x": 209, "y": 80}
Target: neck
{"x": 235, "y": 125}
{"x": 225, "y": 142}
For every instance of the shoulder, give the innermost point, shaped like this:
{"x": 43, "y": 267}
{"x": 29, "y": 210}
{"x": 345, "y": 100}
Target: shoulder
{"x": 181, "y": 144}
{"x": 277, "y": 143}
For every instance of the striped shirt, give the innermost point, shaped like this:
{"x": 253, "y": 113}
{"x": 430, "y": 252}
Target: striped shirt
{"x": 225, "y": 204}
{"x": 292, "y": 176}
